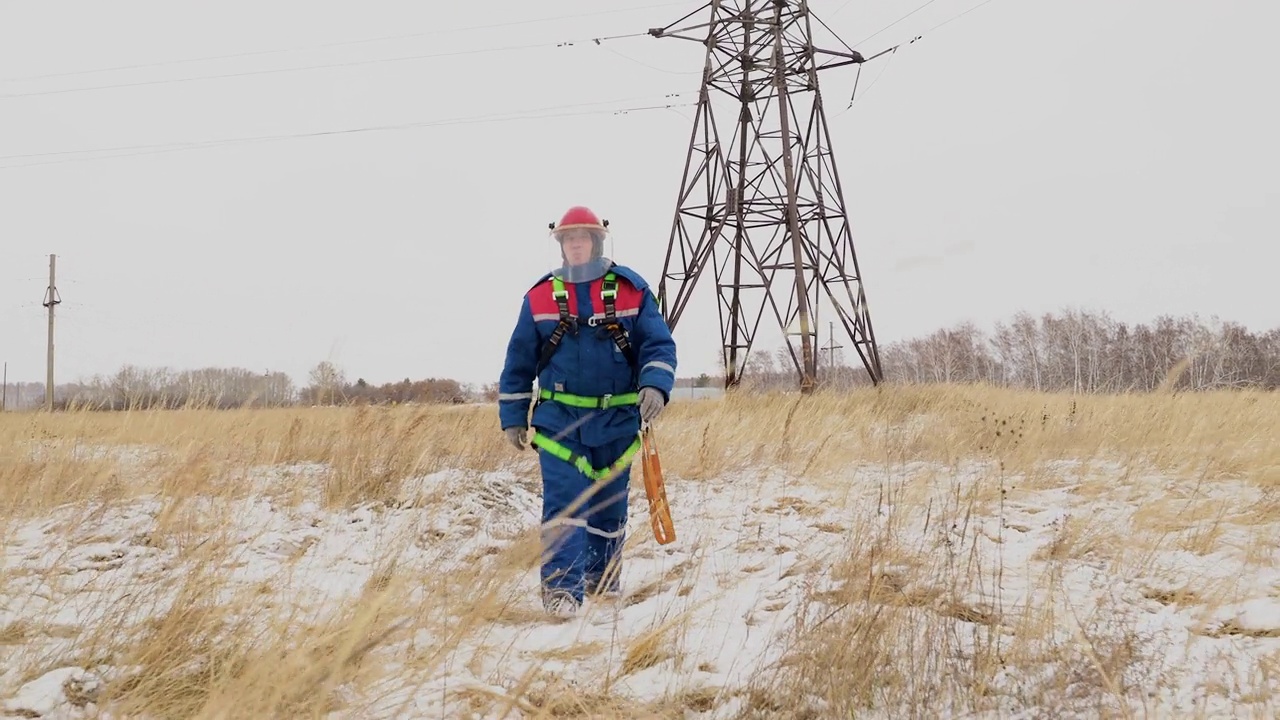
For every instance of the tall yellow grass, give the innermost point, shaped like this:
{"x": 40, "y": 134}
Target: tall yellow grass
{"x": 878, "y": 630}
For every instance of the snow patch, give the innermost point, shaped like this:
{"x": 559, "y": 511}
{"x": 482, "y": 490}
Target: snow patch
{"x": 704, "y": 616}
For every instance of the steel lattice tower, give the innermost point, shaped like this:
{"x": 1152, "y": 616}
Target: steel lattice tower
{"x": 765, "y": 210}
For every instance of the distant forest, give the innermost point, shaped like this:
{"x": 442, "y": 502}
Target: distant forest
{"x": 1073, "y": 351}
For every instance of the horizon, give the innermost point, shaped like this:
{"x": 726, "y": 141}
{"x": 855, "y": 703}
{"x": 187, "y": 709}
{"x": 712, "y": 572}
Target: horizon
{"x": 842, "y": 358}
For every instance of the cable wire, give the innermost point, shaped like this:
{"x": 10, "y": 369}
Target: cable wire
{"x": 134, "y": 150}
{"x": 895, "y": 22}
{"x": 891, "y": 51}
{"x": 957, "y": 17}
{"x": 325, "y": 66}
{"x": 342, "y": 43}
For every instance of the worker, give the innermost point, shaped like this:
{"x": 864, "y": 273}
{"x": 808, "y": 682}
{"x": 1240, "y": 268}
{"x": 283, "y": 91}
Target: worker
{"x": 591, "y": 334}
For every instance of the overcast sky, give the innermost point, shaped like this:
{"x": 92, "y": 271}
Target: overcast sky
{"x": 1029, "y": 155}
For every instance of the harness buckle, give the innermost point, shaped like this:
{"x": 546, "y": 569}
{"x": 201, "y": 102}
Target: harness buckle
{"x": 594, "y": 321}
{"x": 605, "y": 401}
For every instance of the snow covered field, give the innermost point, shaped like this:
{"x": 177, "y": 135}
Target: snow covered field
{"x": 987, "y": 585}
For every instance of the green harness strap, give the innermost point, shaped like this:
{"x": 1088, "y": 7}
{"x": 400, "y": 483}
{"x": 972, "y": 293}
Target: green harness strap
{"x": 583, "y": 401}
{"x": 581, "y": 463}
{"x": 567, "y": 322}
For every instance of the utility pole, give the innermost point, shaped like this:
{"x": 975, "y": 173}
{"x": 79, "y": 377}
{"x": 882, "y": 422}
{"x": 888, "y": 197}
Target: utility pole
{"x": 832, "y": 346}
{"x": 51, "y": 298}
{"x": 4, "y": 393}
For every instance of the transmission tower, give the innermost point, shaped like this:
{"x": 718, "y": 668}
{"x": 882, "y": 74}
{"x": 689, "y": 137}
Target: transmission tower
{"x": 765, "y": 210}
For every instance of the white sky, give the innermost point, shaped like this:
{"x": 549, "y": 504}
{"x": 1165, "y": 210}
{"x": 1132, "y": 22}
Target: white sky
{"x": 1032, "y": 154}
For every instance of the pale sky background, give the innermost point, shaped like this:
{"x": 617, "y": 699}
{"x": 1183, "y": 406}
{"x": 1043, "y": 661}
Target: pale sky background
{"x": 1030, "y": 155}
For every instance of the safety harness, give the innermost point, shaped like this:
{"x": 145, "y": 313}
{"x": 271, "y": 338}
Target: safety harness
{"x": 609, "y": 296}
{"x": 581, "y": 463}
{"x": 611, "y": 325}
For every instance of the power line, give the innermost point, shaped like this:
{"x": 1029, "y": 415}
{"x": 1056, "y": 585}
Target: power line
{"x": 653, "y": 67}
{"x": 515, "y": 115}
{"x": 325, "y": 66}
{"x": 133, "y": 150}
{"x": 895, "y": 22}
{"x": 957, "y": 17}
{"x": 342, "y": 43}
{"x": 891, "y": 51}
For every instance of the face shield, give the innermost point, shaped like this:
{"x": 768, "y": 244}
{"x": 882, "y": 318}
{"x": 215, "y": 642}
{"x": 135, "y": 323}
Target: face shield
{"x": 579, "y": 253}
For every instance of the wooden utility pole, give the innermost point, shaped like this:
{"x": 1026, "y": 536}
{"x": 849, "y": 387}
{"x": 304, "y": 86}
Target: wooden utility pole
{"x": 832, "y": 346}
{"x": 51, "y": 298}
{"x": 4, "y": 389}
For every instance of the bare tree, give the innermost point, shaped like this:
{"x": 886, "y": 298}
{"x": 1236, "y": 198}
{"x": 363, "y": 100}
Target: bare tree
{"x": 1081, "y": 351}
{"x": 327, "y": 381}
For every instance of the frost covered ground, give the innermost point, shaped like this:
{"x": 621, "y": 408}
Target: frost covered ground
{"x": 1068, "y": 590}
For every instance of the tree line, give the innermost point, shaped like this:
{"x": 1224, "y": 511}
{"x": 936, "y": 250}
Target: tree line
{"x": 1072, "y": 351}
{"x": 136, "y": 388}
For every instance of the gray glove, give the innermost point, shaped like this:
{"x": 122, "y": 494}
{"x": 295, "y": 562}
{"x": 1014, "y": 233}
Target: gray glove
{"x": 651, "y": 403}
{"x": 517, "y": 436}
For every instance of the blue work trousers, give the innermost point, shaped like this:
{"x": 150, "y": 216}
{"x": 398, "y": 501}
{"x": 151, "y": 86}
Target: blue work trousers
{"x": 582, "y": 539}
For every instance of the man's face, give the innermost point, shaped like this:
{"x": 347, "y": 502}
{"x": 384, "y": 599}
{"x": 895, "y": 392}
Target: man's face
{"x": 577, "y": 246}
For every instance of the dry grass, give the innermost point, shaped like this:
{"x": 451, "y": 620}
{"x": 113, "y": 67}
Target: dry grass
{"x": 923, "y": 612}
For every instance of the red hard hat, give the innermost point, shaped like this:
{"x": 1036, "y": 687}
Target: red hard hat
{"x": 580, "y": 217}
